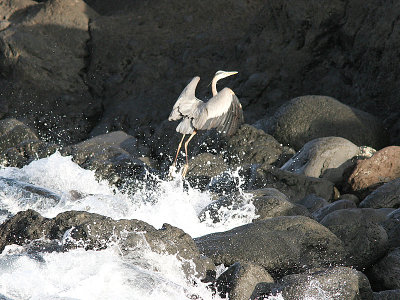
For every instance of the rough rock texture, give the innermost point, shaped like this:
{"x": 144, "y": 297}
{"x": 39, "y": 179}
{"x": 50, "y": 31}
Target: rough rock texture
{"x": 93, "y": 231}
{"x": 342, "y": 49}
{"x": 142, "y": 59}
{"x": 385, "y": 274}
{"x": 239, "y": 280}
{"x": 334, "y": 283}
{"x": 115, "y": 156}
{"x": 363, "y": 237}
{"x": 43, "y": 49}
{"x": 280, "y": 245}
{"x": 387, "y": 295}
{"x": 326, "y": 157}
{"x": 388, "y": 195}
{"x": 253, "y": 146}
{"x": 207, "y": 164}
{"x": 295, "y": 186}
{"x": 326, "y": 210}
{"x": 370, "y": 173}
{"x": 309, "y": 117}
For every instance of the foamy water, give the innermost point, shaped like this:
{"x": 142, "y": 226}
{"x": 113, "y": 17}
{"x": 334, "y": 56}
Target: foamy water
{"x": 106, "y": 274}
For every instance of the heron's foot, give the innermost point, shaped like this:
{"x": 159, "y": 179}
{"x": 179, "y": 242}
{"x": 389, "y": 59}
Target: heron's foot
{"x": 185, "y": 169}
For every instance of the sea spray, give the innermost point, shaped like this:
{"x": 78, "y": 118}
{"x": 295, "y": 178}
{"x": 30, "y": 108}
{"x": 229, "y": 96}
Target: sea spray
{"x": 105, "y": 274}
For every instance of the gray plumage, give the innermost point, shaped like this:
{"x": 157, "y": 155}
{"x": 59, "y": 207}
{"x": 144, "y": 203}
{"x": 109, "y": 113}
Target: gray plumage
{"x": 222, "y": 112}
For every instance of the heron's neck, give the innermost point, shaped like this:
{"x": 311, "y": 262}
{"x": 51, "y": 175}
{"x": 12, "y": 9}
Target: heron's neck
{"x": 214, "y": 86}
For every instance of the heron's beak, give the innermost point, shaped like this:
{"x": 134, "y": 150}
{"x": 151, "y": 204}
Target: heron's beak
{"x": 230, "y": 73}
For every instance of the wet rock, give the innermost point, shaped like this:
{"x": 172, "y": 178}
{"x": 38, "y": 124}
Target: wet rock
{"x": 270, "y": 202}
{"x": 332, "y": 283}
{"x": 19, "y": 145}
{"x": 14, "y": 132}
{"x": 363, "y": 237}
{"x": 114, "y": 156}
{"x": 385, "y": 274}
{"x": 295, "y": 186}
{"x": 44, "y": 54}
{"x": 239, "y": 280}
{"x": 388, "y": 195}
{"x": 203, "y": 168}
{"x": 382, "y": 167}
{"x": 30, "y": 191}
{"x": 339, "y": 204}
{"x": 280, "y": 245}
{"x": 326, "y": 157}
{"x": 93, "y": 231}
{"x": 305, "y": 118}
{"x": 253, "y": 146}
{"x": 387, "y": 295}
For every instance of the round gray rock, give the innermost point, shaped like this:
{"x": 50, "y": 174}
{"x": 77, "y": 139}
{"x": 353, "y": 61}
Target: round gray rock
{"x": 325, "y": 157}
{"x": 305, "y": 118}
{"x": 278, "y": 244}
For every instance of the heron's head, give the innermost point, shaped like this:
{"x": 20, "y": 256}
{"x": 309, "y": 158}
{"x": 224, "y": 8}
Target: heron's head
{"x": 222, "y": 74}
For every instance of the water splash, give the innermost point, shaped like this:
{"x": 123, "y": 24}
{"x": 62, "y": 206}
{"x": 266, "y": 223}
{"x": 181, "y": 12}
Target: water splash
{"x": 105, "y": 274}
{"x": 167, "y": 201}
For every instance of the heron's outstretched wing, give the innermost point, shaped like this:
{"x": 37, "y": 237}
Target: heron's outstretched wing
{"x": 187, "y": 101}
{"x": 223, "y": 112}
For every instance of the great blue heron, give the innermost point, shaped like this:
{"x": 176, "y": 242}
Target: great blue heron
{"x": 223, "y": 112}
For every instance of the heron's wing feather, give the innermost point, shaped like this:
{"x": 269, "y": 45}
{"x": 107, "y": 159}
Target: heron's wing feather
{"x": 187, "y": 101}
{"x": 222, "y": 112}
{"x": 185, "y": 126}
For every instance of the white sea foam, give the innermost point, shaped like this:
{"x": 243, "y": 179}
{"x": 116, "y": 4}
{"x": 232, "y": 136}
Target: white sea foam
{"x": 80, "y": 274}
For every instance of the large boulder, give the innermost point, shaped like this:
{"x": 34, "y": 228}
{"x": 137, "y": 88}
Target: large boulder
{"x": 280, "y": 245}
{"x": 44, "y": 52}
{"x": 333, "y": 283}
{"x": 363, "y": 237}
{"x": 371, "y": 173}
{"x": 309, "y": 117}
{"x": 93, "y": 231}
{"x": 326, "y": 157}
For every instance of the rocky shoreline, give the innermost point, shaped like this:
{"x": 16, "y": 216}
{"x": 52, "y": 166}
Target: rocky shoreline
{"x": 323, "y": 173}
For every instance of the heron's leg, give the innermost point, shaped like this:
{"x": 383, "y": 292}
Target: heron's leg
{"x": 179, "y": 148}
{"x": 187, "y": 160}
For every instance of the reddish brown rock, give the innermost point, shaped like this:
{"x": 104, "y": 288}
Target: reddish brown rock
{"x": 370, "y": 173}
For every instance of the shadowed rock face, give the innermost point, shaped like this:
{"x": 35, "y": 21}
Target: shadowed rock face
{"x": 70, "y": 70}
